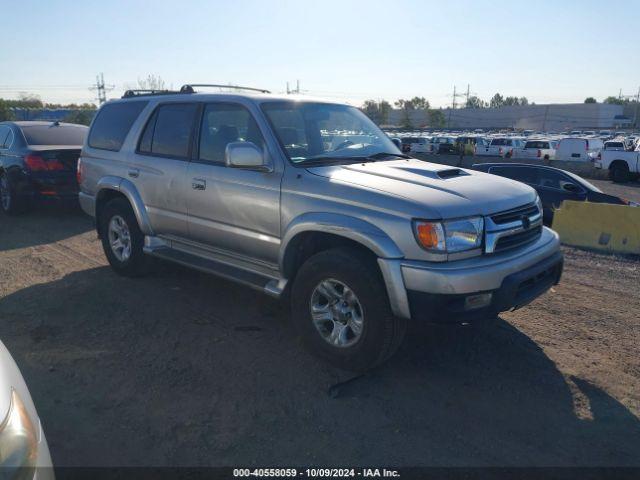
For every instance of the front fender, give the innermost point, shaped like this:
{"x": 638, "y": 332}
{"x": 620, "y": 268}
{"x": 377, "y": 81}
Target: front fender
{"x": 352, "y": 228}
{"x": 129, "y": 190}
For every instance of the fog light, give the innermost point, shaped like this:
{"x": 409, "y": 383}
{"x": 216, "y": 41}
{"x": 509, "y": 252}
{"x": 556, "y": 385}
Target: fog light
{"x": 480, "y": 300}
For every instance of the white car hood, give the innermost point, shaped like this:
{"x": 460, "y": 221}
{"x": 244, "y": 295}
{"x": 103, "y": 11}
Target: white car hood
{"x": 449, "y": 191}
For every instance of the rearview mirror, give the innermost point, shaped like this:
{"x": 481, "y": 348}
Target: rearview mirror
{"x": 245, "y": 155}
{"x": 397, "y": 142}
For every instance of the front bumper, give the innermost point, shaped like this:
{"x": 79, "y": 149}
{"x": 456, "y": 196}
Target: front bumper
{"x": 437, "y": 291}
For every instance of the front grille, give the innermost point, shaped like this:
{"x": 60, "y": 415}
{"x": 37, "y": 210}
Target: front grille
{"x": 518, "y": 239}
{"x": 515, "y": 214}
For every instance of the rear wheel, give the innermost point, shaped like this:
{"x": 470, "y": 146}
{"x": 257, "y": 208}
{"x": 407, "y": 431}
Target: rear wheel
{"x": 122, "y": 239}
{"x": 619, "y": 172}
{"x": 10, "y": 202}
{"x": 341, "y": 310}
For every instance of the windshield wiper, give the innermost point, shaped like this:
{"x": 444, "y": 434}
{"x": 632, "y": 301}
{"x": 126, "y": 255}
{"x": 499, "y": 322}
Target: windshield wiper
{"x": 376, "y": 156}
{"x": 321, "y": 161}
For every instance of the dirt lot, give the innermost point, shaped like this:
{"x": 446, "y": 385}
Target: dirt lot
{"x": 184, "y": 369}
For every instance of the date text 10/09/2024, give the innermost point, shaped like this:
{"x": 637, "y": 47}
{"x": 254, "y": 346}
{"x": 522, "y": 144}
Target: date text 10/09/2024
{"x": 316, "y": 473}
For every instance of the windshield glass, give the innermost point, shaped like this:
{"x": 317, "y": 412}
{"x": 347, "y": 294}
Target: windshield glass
{"x": 320, "y": 131}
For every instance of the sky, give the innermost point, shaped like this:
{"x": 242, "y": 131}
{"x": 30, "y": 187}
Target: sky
{"x": 549, "y": 51}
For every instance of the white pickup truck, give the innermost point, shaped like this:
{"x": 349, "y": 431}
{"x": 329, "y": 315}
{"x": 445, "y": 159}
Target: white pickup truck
{"x": 537, "y": 148}
{"x": 622, "y": 165}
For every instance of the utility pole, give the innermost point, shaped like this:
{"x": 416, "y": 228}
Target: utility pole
{"x": 101, "y": 88}
{"x": 467, "y": 96}
{"x": 297, "y": 89}
{"x": 635, "y": 116}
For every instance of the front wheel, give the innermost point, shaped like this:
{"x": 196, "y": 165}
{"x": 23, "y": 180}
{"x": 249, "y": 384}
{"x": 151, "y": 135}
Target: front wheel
{"x": 122, "y": 239}
{"x": 341, "y": 310}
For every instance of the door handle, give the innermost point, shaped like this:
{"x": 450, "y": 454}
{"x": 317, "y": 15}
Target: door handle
{"x": 134, "y": 173}
{"x": 199, "y": 184}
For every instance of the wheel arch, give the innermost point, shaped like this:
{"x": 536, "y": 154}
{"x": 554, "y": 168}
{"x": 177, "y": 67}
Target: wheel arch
{"x": 113, "y": 187}
{"x": 314, "y": 232}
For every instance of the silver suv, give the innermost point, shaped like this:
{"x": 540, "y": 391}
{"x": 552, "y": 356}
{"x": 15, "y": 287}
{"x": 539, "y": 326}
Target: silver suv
{"x": 312, "y": 201}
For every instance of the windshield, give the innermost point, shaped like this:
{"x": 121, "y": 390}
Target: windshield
{"x": 322, "y": 132}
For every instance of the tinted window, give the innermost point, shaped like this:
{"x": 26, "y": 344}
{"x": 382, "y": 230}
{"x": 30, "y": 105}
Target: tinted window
{"x": 537, "y": 144}
{"x": 499, "y": 141}
{"x": 4, "y": 134}
{"x": 168, "y": 133}
{"x": 54, "y": 134}
{"x": 224, "y": 123}
{"x": 521, "y": 174}
{"x": 552, "y": 179}
{"x": 112, "y": 124}
{"x": 614, "y": 145}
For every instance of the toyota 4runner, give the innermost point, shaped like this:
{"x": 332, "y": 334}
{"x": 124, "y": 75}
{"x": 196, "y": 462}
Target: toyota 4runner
{"x": 311, "y": 200}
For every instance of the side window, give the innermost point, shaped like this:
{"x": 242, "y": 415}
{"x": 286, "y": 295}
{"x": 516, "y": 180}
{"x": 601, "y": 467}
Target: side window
{"x": 168, "y": 131}
{"x": 521, "y": 174}
{"x": 224, "y": 123}
{"x": 551, "y": 179}
{"x": 4, "y": 134}
{"x": 112, "y": 124}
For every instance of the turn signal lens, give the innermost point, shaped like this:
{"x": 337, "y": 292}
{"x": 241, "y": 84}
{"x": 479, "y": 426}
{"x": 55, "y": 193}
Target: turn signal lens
{"x": 430, "y": 235}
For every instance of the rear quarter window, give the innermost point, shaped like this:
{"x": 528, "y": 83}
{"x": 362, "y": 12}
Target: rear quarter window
{"x": 112, "y": 124}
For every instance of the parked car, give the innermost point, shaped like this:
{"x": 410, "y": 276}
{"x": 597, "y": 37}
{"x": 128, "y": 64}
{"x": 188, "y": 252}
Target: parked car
{"x": 614, "y": 145}
{"x": 623, "y": 165}
{"x": 542, "y": 149}
{"x": 38, "y": 162}
{"x": 407, "y": 142}
{"x": 578, "y": 149}
{"x": 362, "y": 237}
{"x": 444, "y": 145}
{"x": 552, "y": 184}
{"x": 469, "y": 145}
{"x": 501, "y": 147}
{"x": 24, "y": 453}
{"x": 423, "y": 145}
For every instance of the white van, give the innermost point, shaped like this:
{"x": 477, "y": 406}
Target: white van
{"x": 578, "y": 149}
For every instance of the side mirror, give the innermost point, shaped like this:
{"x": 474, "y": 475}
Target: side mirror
{"x": 570, "y": 187}
{"x": 397, "y": 142}
{"x": 245, "y": 155}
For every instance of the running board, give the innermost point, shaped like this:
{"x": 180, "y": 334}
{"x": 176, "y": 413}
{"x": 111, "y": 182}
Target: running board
{"x": 269, "y": 285}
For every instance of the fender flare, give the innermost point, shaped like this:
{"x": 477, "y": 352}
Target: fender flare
{"x": 360, "y": 231}
{"x": 129, "y": 190}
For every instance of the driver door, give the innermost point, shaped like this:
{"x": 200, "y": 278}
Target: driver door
{"x": 231, "y": 210}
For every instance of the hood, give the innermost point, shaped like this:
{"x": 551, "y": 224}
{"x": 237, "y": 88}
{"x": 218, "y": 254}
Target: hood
{"x": 449, "y": 191}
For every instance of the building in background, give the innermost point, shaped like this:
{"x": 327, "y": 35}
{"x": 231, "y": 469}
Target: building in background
{"x": 551, "y": 117}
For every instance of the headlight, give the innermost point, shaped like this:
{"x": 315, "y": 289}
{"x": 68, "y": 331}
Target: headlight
{"x": 18, "y": 441}
{"x": 539, "y": 203}
{"x": 450, "y": 236}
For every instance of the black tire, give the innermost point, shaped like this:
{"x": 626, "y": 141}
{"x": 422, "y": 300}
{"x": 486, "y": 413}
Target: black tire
{"x": 382, "y": 332}
{"x": 10, "y": 201}
{"x": 136, "y": 263}
{"x": 619, "y": 172}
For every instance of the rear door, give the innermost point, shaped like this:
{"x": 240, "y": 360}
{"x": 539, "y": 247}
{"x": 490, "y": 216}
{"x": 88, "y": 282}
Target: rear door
{"x": 158, "y": 168}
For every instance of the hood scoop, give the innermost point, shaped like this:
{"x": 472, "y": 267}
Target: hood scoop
{"x": 450, "y": 173}
{"x": 442, "y": 174}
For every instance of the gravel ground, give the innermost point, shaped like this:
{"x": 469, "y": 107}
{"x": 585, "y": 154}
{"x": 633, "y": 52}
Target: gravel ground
{"x": 180, "y": 368}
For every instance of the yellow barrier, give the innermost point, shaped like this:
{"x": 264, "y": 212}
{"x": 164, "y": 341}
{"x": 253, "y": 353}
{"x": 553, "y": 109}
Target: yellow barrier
{"x": 613, "y": 228}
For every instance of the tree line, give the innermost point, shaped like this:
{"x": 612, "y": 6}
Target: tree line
{"x": 81, "y": 113}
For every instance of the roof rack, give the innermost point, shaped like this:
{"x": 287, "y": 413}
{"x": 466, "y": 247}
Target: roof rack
{"x": 188, "y": 88}
{"x": 144, "y": 92}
